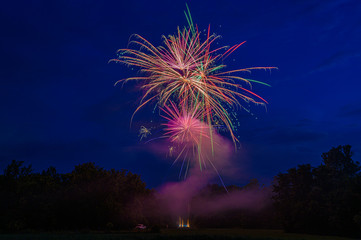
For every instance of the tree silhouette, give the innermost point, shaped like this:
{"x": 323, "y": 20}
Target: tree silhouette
{"x": 89, "y": 197}
{"x": 325, "y": 199}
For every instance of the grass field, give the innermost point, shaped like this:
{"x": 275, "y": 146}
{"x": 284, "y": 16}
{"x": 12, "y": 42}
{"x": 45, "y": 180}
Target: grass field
{"x": 175, "y": 234}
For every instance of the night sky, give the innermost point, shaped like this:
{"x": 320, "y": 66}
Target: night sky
{"x": 59, "y": 106}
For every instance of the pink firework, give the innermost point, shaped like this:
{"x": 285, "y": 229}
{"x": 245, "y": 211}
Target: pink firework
{"x": 185, "y": 127}
{"x": 192, "y": 136}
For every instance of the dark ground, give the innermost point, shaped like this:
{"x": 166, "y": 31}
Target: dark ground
{"x": 201, "y": 234}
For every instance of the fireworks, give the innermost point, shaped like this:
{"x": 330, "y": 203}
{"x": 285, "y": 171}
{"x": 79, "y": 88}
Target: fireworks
{"x": 194, "y": 138}
{"x": 186, "y": 78}
{"x": 144, "y": 132}
{"x": 184, "y": 127}
{"x": 185, "y": 70}
{"x": 186, "y": 131}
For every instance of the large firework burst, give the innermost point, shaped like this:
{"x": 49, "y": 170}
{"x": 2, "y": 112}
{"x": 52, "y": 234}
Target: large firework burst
{"x": 187, "y": 79}
{"x": 188, "y": 71}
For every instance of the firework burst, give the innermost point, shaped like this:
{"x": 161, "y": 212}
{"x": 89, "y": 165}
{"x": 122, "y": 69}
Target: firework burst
{"x": 144, "y": 132}
{"x": 189, "y": 134}
{"x": 184, "y": 127}
{"x": 187, "y": 71}
{"x": 186, "y": 77}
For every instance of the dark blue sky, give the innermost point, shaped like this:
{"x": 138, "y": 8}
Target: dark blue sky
{"x": 59, "y": 106}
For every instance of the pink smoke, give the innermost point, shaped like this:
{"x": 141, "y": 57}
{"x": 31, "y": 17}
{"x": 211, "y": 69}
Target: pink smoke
{"x": 251, "y": 199}
{"x": 178, "y": 198}
{"x": 208, "y": 154}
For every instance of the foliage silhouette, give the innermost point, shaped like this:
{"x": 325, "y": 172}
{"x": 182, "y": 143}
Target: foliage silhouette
{"x": 324, "y": 199}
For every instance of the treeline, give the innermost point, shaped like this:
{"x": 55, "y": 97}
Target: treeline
{"x": 321, "y": 200}
{"x": 92, "y": 198}
{"x": 87, "y": 198}
{"x": 325, "y": 200}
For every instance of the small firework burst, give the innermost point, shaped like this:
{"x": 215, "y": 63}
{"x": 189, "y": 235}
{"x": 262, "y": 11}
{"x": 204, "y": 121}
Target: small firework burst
{"x": 144, "y": 132}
